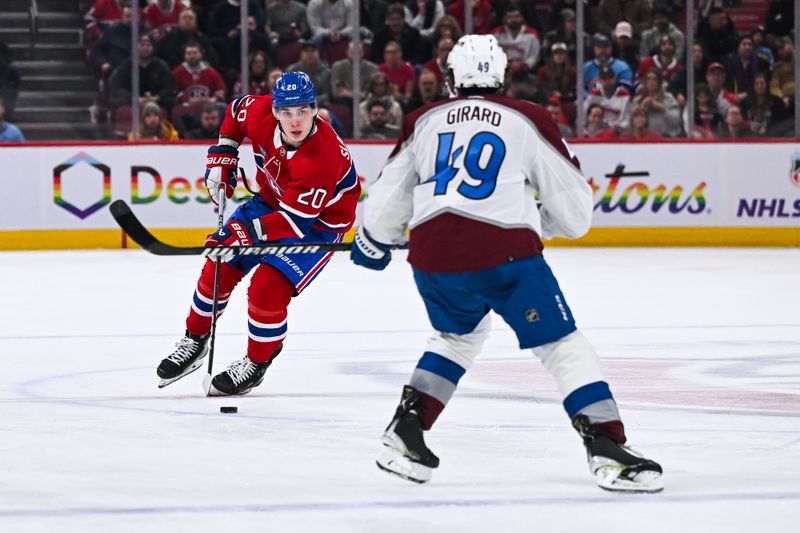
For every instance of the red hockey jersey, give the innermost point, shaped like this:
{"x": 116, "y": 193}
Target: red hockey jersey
{"x": 313, "y": 186}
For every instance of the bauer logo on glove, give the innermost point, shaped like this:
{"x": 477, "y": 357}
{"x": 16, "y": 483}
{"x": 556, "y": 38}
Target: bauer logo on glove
{"x": 222, "y": 164}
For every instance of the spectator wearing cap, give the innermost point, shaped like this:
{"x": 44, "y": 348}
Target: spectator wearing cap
{"x": 742, "y": 68}
{"x": 316, "y": 68}
{"x": 195, "y": 80}
{"x": 663, "y": 112}
{"x": 625, "y": 46}
{"x": 637, "y": 12}
{"x": 782, "y": 82}
{"x": 615, "y": 99}
{"x": 558, "y": 75}
{"x": 717, "y": 34}
{"x": 415, "y": 51}
{"x": 601, "y": 45}
{"x": 760, "y": 47}
{"x": 553, "y": 108}
{"x": 734, "y": 126}
{"x": 664, "y": 61}
{"x": 438, "y": 65}
{"x": 481, "y": 14}
{"x": 520, "y": 43}
{"x": 715, "y": 78}
{"x": 662, "y": 26}
{"x": 422, "y": 15}
{"x": 286, "y": 20}
{"x": 153, "y": 126}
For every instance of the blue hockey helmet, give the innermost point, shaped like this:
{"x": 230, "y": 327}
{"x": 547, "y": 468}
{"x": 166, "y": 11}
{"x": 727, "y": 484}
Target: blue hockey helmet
{"x": 294, "y": 89}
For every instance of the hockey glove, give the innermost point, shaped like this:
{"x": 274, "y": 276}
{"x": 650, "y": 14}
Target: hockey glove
{"x": 369, "y": 253}
{"x": 238, "y": 233}
{"x": 222, "y": 164}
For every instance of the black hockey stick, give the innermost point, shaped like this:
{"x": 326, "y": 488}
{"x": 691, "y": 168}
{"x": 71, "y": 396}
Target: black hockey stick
{"x": 215, "y": 301}
{"x": 141, "y": 235}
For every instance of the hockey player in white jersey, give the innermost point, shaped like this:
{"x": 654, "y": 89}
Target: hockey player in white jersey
{"x": 464, "y": 179}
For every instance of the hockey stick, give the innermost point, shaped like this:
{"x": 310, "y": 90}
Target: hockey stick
{"x": 215, "y": 300}
{"x": 141, "y": 235}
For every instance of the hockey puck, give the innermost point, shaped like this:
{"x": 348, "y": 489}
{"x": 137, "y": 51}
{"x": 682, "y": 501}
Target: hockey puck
{"x": 228, "y": 409}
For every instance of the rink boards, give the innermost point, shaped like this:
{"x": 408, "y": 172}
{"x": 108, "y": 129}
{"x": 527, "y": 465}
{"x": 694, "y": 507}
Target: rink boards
{"x": 646, "y": 194}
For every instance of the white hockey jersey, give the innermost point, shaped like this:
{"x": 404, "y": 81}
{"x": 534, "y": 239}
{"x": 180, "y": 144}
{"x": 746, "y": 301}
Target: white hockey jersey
{"x": 464, "y": 178}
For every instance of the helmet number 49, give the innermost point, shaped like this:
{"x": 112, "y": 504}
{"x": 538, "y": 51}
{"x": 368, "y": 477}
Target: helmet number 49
{"x": 483, "y": 66}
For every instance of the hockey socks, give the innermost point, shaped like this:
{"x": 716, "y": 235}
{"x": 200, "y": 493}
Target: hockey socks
{"x": 199, "y": 319}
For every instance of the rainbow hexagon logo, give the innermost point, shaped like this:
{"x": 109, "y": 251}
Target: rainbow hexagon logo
{"x": 95, "y": 170}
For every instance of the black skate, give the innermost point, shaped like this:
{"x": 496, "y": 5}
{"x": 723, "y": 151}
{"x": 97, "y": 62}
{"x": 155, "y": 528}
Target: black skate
{"x": 616, "y": 467}
{"x": 405, "y": 453}
{"x": 240, "y": 377}
{"x": 187, "y": 357}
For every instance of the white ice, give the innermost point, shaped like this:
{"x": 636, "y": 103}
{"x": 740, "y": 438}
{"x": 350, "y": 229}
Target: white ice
{"x": 701, "y": 347}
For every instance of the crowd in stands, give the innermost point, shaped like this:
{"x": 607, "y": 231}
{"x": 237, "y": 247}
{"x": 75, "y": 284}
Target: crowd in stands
{"x": 635, "y": 82}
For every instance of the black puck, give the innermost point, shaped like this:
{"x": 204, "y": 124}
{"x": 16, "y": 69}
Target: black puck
{"x": 228, "y": 409}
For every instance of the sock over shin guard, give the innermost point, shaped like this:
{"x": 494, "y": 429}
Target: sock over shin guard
{"x": 268, "y": 298}
{"x": 199, "y": 319}
{"x": 436, "y": 378}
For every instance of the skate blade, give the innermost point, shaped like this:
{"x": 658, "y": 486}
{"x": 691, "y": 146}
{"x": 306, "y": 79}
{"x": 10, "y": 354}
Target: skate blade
{"x": 394, "y": 462}
{"x": 194, "y": 366}
{"x": 212, "y": 391}
{"x": 648, "y": 481}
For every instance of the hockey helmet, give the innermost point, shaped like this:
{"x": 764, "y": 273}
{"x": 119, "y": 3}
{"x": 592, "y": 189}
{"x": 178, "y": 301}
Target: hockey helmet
{"x": 294, "y": 89}
{"x": 477, "y": 61}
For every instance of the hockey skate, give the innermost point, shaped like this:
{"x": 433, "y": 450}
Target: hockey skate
{"x": 240, "y": 377}
{"x": 616, "y": 467}
{"x": 187, "y": 357}
{"x": 405, "y": 453}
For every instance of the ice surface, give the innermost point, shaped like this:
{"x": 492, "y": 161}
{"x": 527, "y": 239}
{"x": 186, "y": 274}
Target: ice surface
{"x": 701, "y": 347}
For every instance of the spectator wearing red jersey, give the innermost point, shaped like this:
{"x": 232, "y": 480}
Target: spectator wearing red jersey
{"x": 400, "y": 73}
{"x": 664, "y": 61}
{"x": 613, "y": 98}
{"x": 438, "y": 65}
{"x": 195, "y": 80}
{"x": 481, "y": 14}
{"x": 161, "y": 16}
{"x": 520, "y": 43}
{"x": 553, "y": 107}
{"x": 101, "y": 16}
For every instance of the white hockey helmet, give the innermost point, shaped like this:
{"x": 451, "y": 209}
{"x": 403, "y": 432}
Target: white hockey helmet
{"x": 477, "y": 61}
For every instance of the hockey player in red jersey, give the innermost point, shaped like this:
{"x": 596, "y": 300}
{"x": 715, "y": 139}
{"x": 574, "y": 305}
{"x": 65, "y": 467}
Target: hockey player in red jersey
{"x": 308, "y": 193}
{"x": 464, "y": 179}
